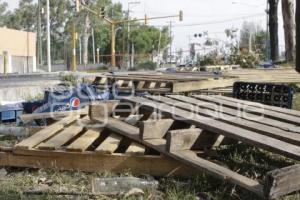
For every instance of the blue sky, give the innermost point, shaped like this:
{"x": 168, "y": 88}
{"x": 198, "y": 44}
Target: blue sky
{"x": 213, "y": 16}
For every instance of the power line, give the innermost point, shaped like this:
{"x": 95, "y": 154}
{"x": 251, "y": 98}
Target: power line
{"x": 212, "y": 22}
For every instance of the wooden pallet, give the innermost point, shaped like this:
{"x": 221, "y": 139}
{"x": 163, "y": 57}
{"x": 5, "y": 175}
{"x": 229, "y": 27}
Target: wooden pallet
{"x": 70, "y": 144}
{"x": 167, "y": 135}
{"x": 276, "y": 131}
{"x": 162, "y": 84}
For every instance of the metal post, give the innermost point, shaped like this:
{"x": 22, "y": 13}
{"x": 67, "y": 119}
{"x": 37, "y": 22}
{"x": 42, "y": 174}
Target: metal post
{"x": 74, "y": 61}
{"x": 5, "y": 61}
{"x": 39, "y": 41}
{"x": 113, "y": 45}
{"x": 48, "y": 38}
{"x": 94, "y": 51}
{"x": 80, "y": 50}
{"x": 132, "y": 55}
{"x": 98, "y": 55}
{"x": 170, "y": 42}
{"x": 128, "y": 44}
{"x": 250, "y": 41}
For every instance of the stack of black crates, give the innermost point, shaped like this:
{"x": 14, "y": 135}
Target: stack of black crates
{"x": 278, "y": 95}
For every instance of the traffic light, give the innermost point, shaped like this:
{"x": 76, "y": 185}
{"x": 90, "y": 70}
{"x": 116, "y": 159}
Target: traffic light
{"x": 102, "y": 12}
{"x": 181, "y": 15}
{"x": 146, "y": 20}
{"x": 77, "y": 5}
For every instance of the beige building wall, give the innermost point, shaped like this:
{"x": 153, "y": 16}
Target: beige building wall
{"x": 21, "y": 50}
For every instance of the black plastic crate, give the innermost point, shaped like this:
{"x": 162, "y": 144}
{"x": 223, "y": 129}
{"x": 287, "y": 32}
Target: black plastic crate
{"x": 278, "y": 95}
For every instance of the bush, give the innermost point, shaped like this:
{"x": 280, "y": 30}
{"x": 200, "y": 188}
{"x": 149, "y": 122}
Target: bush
{"x": 146, "y": 65}
{"x": 245, "y": 60}
{"x": 210, "y": 59}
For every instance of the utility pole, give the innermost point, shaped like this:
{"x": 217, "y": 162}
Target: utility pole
{"x": 129, "y": 64}
{"x": 39, "y": 41}
{"x": 48, "y": 37}
{"x": 267, "y": 32}
{"x": 80, "y": 50}
{"x": 171, "y": 41}
{"x": 74, "y": 60}
{"x": 113, "y": 45}
{"x": 298, "y": 36}
{"x": 94, "y": 51}
{"x": 250, "y": 41}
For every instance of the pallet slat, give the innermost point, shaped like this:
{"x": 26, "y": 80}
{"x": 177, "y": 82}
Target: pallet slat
{"x": 61, "y": 138}
{"x": 84, "y": 141}
{"x": 109, "y": 145}
{"x": 257, "y": 126}
{"x": 45, "y": 133}
{"x": 135, "y": 149}
{"x": 254, "y": 110}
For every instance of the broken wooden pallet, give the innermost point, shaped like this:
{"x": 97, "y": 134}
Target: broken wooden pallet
{"x": 178, "y": 143}
{"x": 73, "y": 143}
{"x": 162, "y": 84}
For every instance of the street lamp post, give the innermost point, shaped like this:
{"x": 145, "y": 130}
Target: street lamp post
{"x": 129, "y": 65}
{"x": 48, "y": 37}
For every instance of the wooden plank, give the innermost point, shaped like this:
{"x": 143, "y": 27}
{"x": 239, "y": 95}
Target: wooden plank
{"x": 200, "y": 85}
{"x": 178, "y": 140}
{"x": 120, "y": 82}
{"x": 54, "y": 115}
{"x": 140, "y": 85}
{"x": 135, "y": 149}
{"x": 109, "y": 145}
{"x": 155, "y": 129}
{"x": 130, "y": 84}
{"x": 253, "y": 110}
{"x": 102, "y": 109}
{"x": 270, "y": 127}
{"x": 163, "y": 85}
{"x": 282, "y": 182}
{"x": 45, "y": 133}
{"x": 156, "y": 90}
{"x": 103, "y": 80}
{"x": 158, "y": 166}
{"x": 61, "y": 138}
{"x": 152, "y": 85}
{"x": 84, "y": 141}
{"x": 240, "y": 134}
{"x": 259, "y": 105}
{"x": 133, "y": 119}
{"x": 199, "y": 163}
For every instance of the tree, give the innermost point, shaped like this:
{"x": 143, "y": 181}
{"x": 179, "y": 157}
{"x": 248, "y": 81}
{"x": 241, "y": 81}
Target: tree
{"x": 273, "y": 24}
{"x": 146, "y": 38}
{"x": 24, "y": 17}
{"x": 3, "y": 13}
{"x": 289, "y": 28}
{"x": 298, "y": 36}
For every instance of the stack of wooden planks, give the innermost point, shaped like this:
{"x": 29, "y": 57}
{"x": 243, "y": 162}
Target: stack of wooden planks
{"x": 280, "y": 75}
{"x": 164, "y": 83}
{"x": 165, "y": 136}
